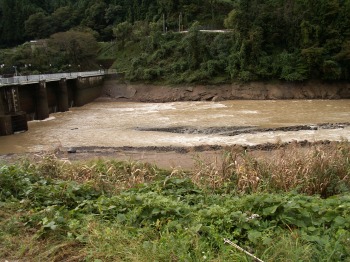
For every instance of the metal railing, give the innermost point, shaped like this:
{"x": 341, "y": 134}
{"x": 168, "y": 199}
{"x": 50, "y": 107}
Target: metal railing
{"x": 50, "y": 77}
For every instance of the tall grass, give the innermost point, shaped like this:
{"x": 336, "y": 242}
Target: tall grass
{"x": 318, "y": 170}
{"x": 52, "y": 209}
{"x": 108, "y": 175}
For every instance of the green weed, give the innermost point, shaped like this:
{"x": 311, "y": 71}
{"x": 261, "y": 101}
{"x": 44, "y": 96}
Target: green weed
{"x": 55, "y": 210}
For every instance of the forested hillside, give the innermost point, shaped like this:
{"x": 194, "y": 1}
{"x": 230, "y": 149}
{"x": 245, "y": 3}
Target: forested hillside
{"x": 292, "y": 40}
{"x": 276, "y": 39}
{"x": 21, "y": 20}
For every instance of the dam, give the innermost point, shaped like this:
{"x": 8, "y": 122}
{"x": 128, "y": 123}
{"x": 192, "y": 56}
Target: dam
{"x": 35, "y": 97}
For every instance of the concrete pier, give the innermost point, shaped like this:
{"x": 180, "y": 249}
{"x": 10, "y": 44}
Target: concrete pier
{"x": 62, "y": 103}
{"x": 19, "y": 122}
{"x": 12, "y": 119}
{"x": 42, "y": 107}
{"x": 5, "y": 125}
{"x": 2, "y": 102}
{"x": 13, "y": 122}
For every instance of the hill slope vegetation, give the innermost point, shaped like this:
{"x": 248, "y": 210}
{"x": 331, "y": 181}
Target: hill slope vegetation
{"x": 275, "y": 39}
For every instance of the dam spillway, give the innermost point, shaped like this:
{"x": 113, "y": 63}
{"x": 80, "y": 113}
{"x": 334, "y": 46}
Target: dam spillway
{"x": 26, "y": 98}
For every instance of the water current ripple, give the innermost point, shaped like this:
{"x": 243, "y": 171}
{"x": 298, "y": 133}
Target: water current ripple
{"x": 238, "y": 130}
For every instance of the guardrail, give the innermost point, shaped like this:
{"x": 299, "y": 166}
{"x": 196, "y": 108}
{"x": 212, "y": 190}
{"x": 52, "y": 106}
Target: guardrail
{"x": 51, "y": 77}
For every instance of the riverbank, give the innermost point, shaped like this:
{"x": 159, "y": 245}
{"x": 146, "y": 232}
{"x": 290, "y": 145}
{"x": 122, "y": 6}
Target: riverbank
{"x": 172, "y": 157}
{"x": 294, "y": 206}
{"x": 119, "y": 90}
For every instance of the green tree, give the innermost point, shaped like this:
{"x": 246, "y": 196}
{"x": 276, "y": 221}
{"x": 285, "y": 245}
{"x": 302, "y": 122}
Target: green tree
{"x": 74, "y": 47}
{"x": 38, "y": 26}
{"x": 122, "y": 32}
{"x": 113, "y": 14}
{"x": 95, "y": 16}
{"x": 13, "y": 14}
{"x": 63, "y": 19}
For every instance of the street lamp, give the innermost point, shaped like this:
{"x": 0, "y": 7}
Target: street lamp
{"x": 2, "y": 67}
{"x": 28, "y": 68}
{"x": 15, "y": 67}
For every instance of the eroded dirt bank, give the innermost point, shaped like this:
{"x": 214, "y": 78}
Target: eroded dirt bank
{"x": 118, "y": 90}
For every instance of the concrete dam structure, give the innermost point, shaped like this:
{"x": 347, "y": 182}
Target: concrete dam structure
{"x": 27, "y": 98}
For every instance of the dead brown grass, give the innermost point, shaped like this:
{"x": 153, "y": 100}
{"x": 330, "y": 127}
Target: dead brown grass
{"x": 323, "y": 170}
{"x": 107, "y": 175}
{"x": 316, "y": 169}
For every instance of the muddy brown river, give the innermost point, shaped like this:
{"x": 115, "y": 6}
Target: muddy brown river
{"x": 118, "y": 124}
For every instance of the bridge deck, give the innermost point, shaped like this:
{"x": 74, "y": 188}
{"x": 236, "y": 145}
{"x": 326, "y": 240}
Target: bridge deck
{"x": 24, "y": 80}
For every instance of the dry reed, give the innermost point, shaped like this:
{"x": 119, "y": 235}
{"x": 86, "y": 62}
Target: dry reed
{"x": 323, "y": 170}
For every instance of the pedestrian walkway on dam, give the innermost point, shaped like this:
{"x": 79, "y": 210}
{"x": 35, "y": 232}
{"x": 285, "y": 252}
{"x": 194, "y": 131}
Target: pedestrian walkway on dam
{"x": 23, "y": 80}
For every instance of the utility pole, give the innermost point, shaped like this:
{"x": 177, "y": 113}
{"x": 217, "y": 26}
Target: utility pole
{"x": 180, "y": 21}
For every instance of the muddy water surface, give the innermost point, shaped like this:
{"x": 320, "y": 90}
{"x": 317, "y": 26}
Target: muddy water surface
{"x": 116, "y": 124}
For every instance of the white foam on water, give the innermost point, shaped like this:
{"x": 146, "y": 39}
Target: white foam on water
{"x": 121, "y": 110}
{"x": 248, "y": 112}
{"x": 164, "y": 119}
{"x": 208, "y": 105}
{"x": 44, "y": 120}
{"x": 156, "y": 107}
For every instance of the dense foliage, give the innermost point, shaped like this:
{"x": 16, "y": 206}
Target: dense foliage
{"x": 41, "y": 18}
{"x": 274, "y": 39}
{"x": 62, "y": 52}
{"x": 287, "y": 40}
{"x": 53, "y": 210}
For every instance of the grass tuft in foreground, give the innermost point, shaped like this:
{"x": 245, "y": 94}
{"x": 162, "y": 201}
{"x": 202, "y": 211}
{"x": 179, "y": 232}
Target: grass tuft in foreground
{"x": 294, "y": 208}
